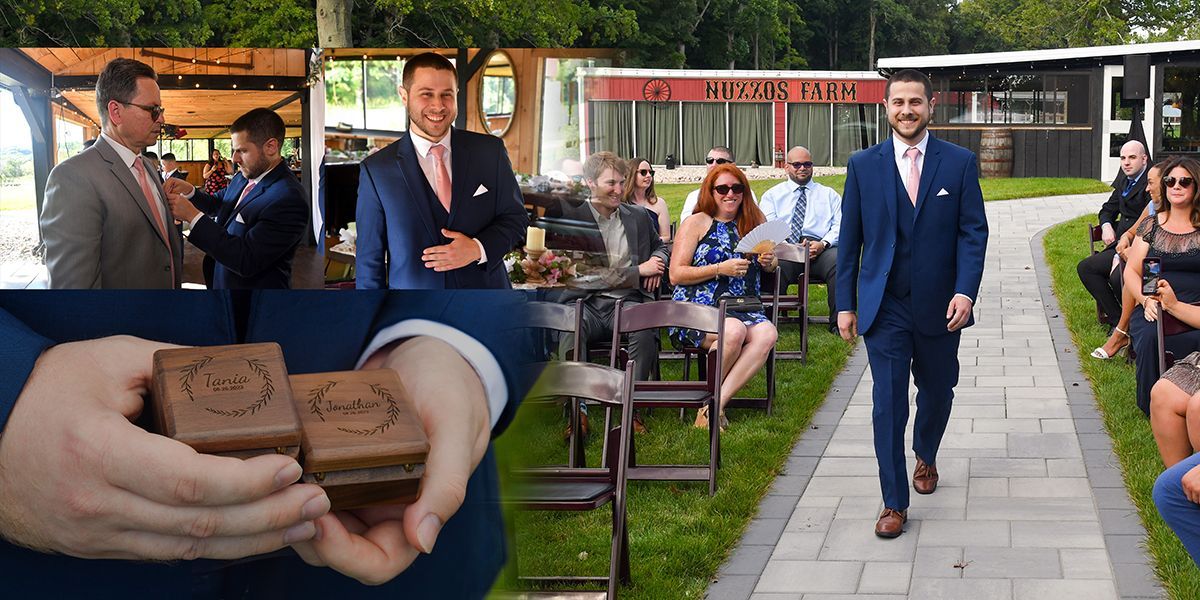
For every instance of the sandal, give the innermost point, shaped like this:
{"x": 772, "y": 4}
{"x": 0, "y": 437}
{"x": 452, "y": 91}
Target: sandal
{"x": 1102, "y": 354}
{"x": 702, "y": 419}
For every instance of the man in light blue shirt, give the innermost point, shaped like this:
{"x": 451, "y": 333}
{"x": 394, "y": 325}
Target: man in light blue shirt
{"x": 814, "y": 212}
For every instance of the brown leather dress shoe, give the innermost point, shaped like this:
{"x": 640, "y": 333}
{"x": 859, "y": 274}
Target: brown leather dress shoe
{"x": 925, "y": 477}
{"x": 638, "y": 425}
{"x": 891, "y": 523}
{"x": 583, "y": 428}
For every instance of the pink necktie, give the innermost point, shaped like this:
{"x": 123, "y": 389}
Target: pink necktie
{"x": 245, "y": 192}
{"x": 440, "y": 175}
{"x": 914, "y": 174}
{"x": 150, "y": 202}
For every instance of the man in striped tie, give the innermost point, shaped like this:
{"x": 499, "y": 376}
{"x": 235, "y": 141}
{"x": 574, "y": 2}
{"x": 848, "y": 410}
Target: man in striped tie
{"x": 105, "y": 220}
{"x": 814, "y": 212}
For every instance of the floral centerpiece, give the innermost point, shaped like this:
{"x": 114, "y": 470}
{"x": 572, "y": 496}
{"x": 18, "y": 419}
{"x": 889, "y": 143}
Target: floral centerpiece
{"x": 539, "y": 268}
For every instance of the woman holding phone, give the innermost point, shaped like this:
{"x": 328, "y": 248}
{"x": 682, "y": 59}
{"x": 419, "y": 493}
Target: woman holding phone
{"x": 1172, "y": 238}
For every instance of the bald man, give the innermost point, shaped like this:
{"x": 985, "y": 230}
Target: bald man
{"x": 1118, "y": 214}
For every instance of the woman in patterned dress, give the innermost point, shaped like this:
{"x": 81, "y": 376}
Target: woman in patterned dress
{"x": 705, "y": 268}
{"x": 215, "y": 173}
{"x": 1174, "y": 401}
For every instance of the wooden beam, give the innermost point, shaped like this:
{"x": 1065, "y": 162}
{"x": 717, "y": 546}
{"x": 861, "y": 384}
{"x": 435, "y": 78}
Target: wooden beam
{"x": 201, "y": 82}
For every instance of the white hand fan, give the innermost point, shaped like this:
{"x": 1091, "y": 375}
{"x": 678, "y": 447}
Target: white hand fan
{"x": 775, "y": 232}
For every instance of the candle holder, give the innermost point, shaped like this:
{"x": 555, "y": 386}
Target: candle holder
{"x": 534, "y": 254}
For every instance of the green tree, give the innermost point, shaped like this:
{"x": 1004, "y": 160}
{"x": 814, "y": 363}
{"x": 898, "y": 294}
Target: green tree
{"x": 103, "y": 23}
{"x": 1034, "y": 24}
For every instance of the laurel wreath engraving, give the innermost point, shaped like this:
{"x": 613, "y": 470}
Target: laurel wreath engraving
{"x": 264, "y": 393}
{"x": 188, "y": 373}
{"x": 316, "y": 395}
{"x": 393, "y": 413}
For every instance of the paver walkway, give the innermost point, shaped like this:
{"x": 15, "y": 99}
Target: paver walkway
{"x": 1022, "y": 510}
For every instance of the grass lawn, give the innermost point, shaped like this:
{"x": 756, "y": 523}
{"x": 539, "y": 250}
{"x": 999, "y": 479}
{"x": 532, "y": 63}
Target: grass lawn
{"x": 19, "y": 195}
{"x": 1114, "y": 387}
{"x": 679, "y": 536}
{"x": 993, "y": 189}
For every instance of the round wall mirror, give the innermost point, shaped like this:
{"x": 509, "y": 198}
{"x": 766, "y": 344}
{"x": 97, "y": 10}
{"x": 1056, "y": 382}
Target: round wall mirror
{"x": 498, "y": 94}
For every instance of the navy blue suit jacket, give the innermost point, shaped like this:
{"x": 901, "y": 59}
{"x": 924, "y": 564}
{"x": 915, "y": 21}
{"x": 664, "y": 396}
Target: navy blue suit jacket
{"x": 395, "y": 221}
{"x": 318, "y": 331}
{"x": 949, "y": 233}
{"x": 251, "y": 246}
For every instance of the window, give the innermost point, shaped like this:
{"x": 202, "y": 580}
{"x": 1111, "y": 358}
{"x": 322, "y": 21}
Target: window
{"x": 1181, "y": 109}
{"x": 364, "y": 94}
{"x": 1028, "y": 99}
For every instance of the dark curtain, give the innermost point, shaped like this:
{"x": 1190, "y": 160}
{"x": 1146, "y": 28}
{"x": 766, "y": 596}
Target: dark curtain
{"x": 610, "y": 127}
{"x": 808, "y": 126}
{"x": 657, "y": 131}
{"x": 704, "y": 127}
{"x": 856, "y": 128}
{"x": 750, "y": 130}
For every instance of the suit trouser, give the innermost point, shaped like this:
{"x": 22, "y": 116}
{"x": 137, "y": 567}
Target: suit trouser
{"x": 598, "y": 313}
{"x": 1182, "y": 515}
{"x": 823, "y": 266}
{"x": 1103, "y": 282}
{"x": 894, "y": 347}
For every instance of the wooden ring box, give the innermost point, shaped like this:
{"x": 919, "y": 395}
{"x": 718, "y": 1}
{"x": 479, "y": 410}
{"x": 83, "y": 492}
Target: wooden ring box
{"x": 226, "y": 400}
{"x": 363, "y": 442}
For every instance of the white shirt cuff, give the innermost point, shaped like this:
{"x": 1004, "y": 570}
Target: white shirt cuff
{"x": 475, "y": 353}
{"x": 195, "y": 219}
{"x": 969, "y": 299}
{"x": 482, "y": 252}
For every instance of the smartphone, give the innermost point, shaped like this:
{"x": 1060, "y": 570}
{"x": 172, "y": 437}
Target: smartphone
{"x": 1151, "y": 268}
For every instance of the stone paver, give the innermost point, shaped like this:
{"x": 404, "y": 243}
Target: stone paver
{"x": 1030, "y": 504}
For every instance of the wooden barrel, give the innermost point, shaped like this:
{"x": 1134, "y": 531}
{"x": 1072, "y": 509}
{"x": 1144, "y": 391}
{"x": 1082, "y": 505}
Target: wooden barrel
{"x": 996, "y": 153}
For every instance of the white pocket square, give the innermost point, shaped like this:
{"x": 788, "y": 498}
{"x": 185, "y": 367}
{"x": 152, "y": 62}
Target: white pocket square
{"x": 481, "y": 190}
{"x": 238, "y": 218}
{"x": 943, "y": 193}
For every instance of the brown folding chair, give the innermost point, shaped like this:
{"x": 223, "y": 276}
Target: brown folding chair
{"x": 678, "y": 394}
{"x": 796, "y": 253}
{"x": 1167, "y": 325}
{"x": 580, "y": 489}
{"x": 564, "y": 319}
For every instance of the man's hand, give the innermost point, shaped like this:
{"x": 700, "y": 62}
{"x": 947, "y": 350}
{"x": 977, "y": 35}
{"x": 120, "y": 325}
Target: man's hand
{"x": 460, "y": 252}
{"x": 1122, "y": 246}
{"x": 182, "y": 208}
{"x": 175, "y": 185}
{"x": 815, "y": 248}
{"x": 958, "y": 312}
{"x": 1107, "y": 234}
{"x": 373, "y": 545}
{"x": 1191, "y": 484}
{"x": 848, "y": 325}
{"x": 77, "y": 477}
{"x": 652, "y": 283}
{"x": 653, "y": 266}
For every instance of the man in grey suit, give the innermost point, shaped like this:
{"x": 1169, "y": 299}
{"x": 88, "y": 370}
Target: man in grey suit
{"x": 105, "y": 220}
{"x": 634, "y": 259}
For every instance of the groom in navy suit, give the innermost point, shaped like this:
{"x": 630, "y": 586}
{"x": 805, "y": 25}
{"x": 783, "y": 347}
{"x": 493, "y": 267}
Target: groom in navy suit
{"x": 260, "y": 217}
{"x": 913, "y": 238}
{"x": 440, "y": 207}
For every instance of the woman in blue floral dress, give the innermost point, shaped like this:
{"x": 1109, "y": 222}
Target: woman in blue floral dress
{"x": 704, "y": 268}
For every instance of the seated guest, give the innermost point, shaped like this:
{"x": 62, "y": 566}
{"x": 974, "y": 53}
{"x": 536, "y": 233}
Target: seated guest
{"x": 717, "y": 156}
{"x": 1174, "y": 400}
{"x": 171, "y": 168}
{"x": 704, "y": 268}
{"x": 1117, "y": 215}
{"x": 1173, "y": 236}
{"x": 261, "y": 216}
{"x": 1119, "y": 339}
{"x": 815, "y": 214}
{"x": 640, "y": 192}
{"x": 633, "y": 261}
{"x": 1177, "y": 496}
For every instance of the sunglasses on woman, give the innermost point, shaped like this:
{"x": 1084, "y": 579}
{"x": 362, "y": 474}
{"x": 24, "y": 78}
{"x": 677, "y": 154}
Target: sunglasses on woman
{"x": 723, "y": 190}
{"x": 1184, "y": 182}
{"x": 720, "y": 161}
{"x": 645, "y": 172}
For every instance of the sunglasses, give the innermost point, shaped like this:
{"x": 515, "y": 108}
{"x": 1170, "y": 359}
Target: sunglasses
{"x": 645, "y": 172}
{"x": 802, "y": 165}
{"x": 154, "y": 110}
{"x": 720, "y": 161}
{"x": 723, "y": 190}
{"x": 1184, "y": 182}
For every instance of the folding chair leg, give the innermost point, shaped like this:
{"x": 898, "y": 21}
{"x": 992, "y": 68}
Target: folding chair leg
{"x": 714, "y": 445}
{"x": 607, "y": 428}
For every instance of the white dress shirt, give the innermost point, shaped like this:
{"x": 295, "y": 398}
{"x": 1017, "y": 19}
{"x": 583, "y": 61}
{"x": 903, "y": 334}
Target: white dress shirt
{"x": 471, "y": 349}
{"x": 128, "y": 157}
{"x": 822, "y": 213}
{"x": 428, "y": 167}
{"x": 255, "y": 181}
